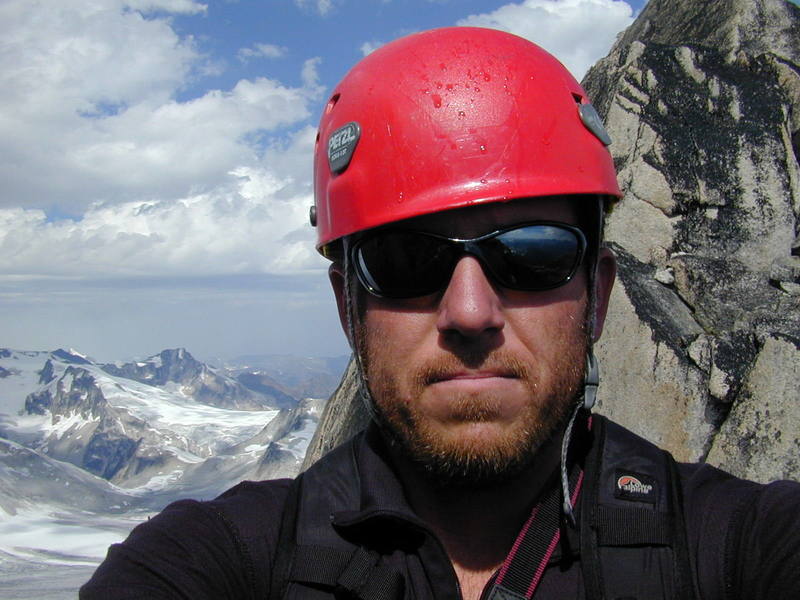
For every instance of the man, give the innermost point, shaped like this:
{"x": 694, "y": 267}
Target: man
{"x": 460, "y": 181}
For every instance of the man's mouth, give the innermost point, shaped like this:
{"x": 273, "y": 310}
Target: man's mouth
{"x": 468, "y": 375}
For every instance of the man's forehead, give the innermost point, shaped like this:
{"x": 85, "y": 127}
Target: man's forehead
{"x": 475, "y": 220}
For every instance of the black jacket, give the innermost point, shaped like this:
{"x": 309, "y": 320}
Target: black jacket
{"x": 742, "y": 538}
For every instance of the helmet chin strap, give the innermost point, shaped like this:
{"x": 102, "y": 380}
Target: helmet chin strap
{"x": 591, "y": 382}
{"x": 350, "y": 310}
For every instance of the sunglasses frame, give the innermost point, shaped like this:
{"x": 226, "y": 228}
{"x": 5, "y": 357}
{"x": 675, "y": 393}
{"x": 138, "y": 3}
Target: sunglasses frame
{"x": 470, "y": 246}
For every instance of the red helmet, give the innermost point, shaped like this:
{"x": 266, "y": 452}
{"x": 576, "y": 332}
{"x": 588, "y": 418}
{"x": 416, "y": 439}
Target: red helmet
{"x": 448, "y": 118}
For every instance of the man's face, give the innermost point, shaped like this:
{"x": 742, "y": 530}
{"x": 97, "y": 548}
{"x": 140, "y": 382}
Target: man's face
{"x": 471, "y": 381}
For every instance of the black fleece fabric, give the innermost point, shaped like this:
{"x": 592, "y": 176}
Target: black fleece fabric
{"x": 744, "y": 541}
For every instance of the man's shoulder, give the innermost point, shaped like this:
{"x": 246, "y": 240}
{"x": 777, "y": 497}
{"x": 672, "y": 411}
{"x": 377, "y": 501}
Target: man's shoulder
{"x": 743, "y": 535}
{"x": 700, "y": 482}
{"x": 714, "y": 494}
{"x": 203, "y": 549}
{"x": 246, "y": 505}
{"x": 246, "y": 515}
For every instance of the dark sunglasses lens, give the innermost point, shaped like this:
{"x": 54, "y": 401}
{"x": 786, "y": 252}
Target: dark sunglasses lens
{"x": 402, "y": 264}
{"x": 534, "y": 257}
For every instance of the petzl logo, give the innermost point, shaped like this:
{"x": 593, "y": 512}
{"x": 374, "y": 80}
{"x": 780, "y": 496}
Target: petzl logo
{"x": 341, "y": 145}
{"x": 634, "y": 486}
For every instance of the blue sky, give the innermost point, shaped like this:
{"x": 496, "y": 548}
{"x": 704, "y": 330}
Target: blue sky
{"x": 156, "y": 160}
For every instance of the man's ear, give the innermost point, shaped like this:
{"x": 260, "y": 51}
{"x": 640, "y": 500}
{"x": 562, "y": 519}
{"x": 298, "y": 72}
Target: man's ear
{"x": 338, "y": 283}
{"x": 604, "y": 281}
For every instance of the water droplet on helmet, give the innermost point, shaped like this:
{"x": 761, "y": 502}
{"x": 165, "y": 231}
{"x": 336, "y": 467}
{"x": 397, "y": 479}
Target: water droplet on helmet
{"x": 461, "y": 114}
{"x": 437, "y": 100}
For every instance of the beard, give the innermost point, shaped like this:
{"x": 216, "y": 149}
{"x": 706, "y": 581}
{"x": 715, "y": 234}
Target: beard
{"x": 442, "y": 452}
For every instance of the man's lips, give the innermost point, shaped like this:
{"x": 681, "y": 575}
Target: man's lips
{"x": 467, "y": 376}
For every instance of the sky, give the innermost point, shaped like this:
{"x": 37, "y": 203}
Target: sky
{"x": 156, "y": 161}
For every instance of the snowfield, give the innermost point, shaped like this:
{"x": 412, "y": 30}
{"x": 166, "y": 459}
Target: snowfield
{"x": 57, "y": 519}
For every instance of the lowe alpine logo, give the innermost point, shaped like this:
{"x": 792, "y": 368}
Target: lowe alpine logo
{"x": 635, "y": 486}
{"x": 341, "y": 145}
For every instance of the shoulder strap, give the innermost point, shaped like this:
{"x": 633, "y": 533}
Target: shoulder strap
{"x": 357, "y": 572}
{"x": 310, "y": 553}
{"x": 633, "y": 535}
{"x": 590, "y": 562}
{"x": 285, "y": 549}
{"x": 685, "y": 584}
{"x": 522, "y": 570}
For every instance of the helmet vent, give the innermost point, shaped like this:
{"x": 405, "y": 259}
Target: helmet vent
{"x": 332, "y": 102}
{"x": 577, "y": 97}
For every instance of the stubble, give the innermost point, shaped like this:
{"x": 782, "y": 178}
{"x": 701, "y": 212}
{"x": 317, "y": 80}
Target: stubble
{"x": 440, "y": 453}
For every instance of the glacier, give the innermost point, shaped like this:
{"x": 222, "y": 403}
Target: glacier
{"x": 88, "y": 450}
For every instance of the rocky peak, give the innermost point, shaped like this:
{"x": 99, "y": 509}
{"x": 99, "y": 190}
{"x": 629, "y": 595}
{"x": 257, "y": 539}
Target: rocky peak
{"x": 74, "y": 392}
{"x": 48, "y": 373}
{"x": 728, "y": 26}
{"x": 753, "y": 36}
{"x": 198, "y": 380}
{"x": 702, "y": 100}
{"x": 70, "y": 356}
{"x": 175, "y": 365}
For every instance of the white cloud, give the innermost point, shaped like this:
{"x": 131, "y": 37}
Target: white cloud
{"x": 91, "y": 112}
{"x": 256, "y": 223}
{"x": 577, "y": 32}
{"x": 70, "y": 56}
{"x": 370, "y": 47}
{"x": 171, "y": 147}
{"x": 186, "y": 7}
{"x": 310, "y": 77}
{"x": 323, "y": 7}
{"x": 261, "y": 51}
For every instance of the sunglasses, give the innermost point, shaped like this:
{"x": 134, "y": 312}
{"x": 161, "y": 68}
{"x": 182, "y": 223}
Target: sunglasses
{"x": 538, "y": 256}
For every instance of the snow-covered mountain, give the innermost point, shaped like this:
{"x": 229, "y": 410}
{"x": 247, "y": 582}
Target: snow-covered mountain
{"x": 203, "y": 383}
{"x": 140, "y": 424}
{"x": 87, "y": 449}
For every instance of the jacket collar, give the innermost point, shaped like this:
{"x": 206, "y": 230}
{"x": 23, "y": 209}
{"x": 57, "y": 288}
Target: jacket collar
{"x": 381, "y": 499}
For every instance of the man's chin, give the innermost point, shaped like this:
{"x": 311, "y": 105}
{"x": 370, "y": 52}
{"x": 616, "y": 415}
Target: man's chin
{"x": 470, "y": 470}
{"x": 469, "y": 456}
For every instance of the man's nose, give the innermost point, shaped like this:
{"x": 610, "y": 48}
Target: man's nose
{"x": 470, "y": 305}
